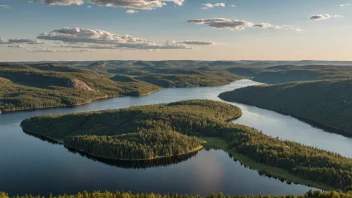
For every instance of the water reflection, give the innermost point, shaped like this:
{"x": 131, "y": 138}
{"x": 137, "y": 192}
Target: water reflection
{"x": 137, "y": 164}
{"x": 33, "y": 166}
{"x": 140, "y": 164}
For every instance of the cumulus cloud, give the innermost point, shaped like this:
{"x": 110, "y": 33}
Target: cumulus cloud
{"x": 209, "y": 5}
{"x": 222, "y": 23}
{"x": 232, "y": 6}
{"x": 5, "y": 6}
{"x": 131, "y": 11}
{"x": 346, "y": 5}
{"x": 133, "y": 4}
{"x": 99, "y": 39}
{"x": 324, "y": 16}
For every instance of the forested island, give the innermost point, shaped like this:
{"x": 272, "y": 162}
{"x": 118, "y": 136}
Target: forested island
{"x": 153, "y": 131}
{"x": 47, "y": 85}
{"x": 107, "y": 194}
{"x": 325, "y": 103}
{"x": 136, "y": 133}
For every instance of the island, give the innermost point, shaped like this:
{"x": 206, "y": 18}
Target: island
{"x": 164, "y": 130}
{"x": 323, "y": 103}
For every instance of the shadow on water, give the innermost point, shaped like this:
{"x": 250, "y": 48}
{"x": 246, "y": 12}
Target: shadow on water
{"x": 138, "y": 164}
{"x": 260, "y": 172}
{"x": 144, "y": 164}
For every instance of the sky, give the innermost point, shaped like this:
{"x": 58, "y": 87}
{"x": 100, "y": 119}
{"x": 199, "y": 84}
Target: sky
{"x": 69, "y": 30}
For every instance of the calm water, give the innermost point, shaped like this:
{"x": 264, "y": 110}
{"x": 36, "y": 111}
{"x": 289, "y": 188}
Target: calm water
{"x": 30, "y": 165}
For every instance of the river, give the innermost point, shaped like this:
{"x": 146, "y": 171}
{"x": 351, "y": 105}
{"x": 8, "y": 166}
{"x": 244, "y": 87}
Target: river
{"x": 30, "y": 165}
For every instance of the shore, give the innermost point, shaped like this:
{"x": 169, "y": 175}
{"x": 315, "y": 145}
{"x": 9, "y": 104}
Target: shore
{"x": 219, "y": 143}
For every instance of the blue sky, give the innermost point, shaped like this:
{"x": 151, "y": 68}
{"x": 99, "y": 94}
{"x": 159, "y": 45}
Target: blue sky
{"x": 326, "y": 39}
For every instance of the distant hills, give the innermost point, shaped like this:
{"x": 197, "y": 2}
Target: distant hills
{"x": 46, "y": 85}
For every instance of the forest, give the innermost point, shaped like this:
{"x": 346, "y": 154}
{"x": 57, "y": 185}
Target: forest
{"x": 136, "y": 133}
{"x": 107, "y": 194}
{"x": 291, "y": 73}
{"x": 96, "y": 133}
{"x": 46, "y": 85}
{"x": 325, "y": 103}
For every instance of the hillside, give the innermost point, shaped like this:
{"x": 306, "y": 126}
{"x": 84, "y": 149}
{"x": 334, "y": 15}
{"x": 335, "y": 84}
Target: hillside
{"x": 154, "y": 131}
{"x": 53, "y": 85}
{"x": 47, "y": 85}
{"x": 166, "y": 74}
{"x": 324, "y": 103}
{"x": 283, "y": 74}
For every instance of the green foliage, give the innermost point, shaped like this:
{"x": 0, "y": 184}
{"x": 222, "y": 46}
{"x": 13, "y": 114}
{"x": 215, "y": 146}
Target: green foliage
{"x": 142, "y": 145}
{"x": 189, "y": 79}
{"x": 107, "y": 194}
{"x": 327, "y": 102}
{"x": 154, "y": 130}
{"x": 308, "y": 162}
{"x": 53, "y": 85}
{"x": 283, "y": 74}
{"x": 142, "y": 132}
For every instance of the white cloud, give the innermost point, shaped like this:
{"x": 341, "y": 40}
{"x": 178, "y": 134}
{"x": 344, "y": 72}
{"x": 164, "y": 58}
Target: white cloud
{"x": 5, "y": 6}
{"x": 324, "y": 17}
{"x": 232, "y": 6}
{"x": 133, "y": 4}
{"x": 222, "y": 23}
{"x": 131, "y": 11}
{"x": 209, "y": 5}
{"x": 98, "y": 39}
{"x": 346, "y": 5}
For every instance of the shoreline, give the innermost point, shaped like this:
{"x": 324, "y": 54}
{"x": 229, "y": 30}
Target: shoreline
{"x": 76, "y": 105}
{"x": 101, "y": 98}
{"x": 313, "y": 123}
{"x": 60, "y": 142}
{"x": 219, "y": 143}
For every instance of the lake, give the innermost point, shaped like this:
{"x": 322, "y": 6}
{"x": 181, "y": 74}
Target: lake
{"x": 30, "y": 165}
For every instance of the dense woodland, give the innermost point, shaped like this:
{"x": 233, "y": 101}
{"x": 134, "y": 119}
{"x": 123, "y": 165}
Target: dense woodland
{"x": 107, "y": 194}
{"x": 199, "y": 118}
{"x": 327, "y": 102}
{"x": 33, "y": 86}
{"x": 284, "y": 74}
{"x": 135, "y": 133}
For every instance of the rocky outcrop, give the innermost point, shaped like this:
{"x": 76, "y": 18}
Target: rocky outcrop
{"x": 78, "y": 84}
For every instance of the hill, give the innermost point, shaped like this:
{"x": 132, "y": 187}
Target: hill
{"x": 283, "y": 74}
{"x": 46, "y": 85}
{"x": 154, "y": 131}
{"x": 167, "y": 74}
{"x": 53, "y": 85}
{"x": 324, "y": 103}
